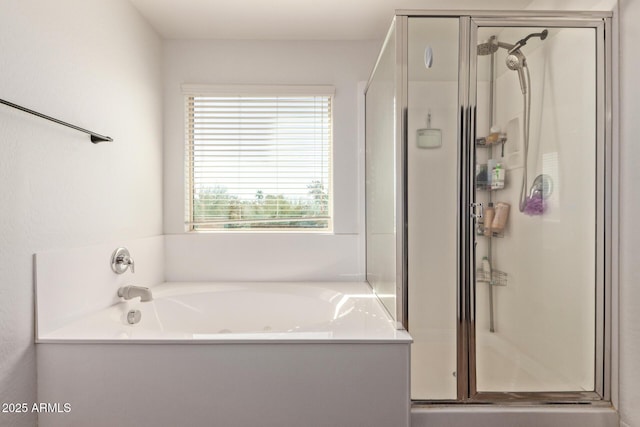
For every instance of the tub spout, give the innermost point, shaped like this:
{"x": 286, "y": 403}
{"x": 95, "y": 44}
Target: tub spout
{"x": 129, "y": 292}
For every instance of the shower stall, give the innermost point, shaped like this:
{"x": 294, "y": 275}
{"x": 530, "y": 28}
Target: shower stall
{"x": 488, "y": 202}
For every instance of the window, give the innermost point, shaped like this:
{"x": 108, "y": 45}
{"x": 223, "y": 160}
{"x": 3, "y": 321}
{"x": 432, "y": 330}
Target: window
{"x": 258, "y": 157}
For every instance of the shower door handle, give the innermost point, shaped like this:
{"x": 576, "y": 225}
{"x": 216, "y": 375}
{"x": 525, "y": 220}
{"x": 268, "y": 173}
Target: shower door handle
{"x": 477, "y": 210}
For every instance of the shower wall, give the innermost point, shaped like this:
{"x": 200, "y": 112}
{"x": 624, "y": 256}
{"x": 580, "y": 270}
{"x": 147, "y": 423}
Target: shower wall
{"x": 432, "y": 199}
{"x": 432, "y": 194}
{"x": 546, "y": 311}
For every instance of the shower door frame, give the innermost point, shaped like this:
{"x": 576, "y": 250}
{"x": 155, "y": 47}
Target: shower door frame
{"x": 606, "y": 194}
{"x": 602, "y": 25}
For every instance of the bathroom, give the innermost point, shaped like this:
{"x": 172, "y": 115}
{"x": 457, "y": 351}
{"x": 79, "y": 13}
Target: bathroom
{"x": 101, "y": 65}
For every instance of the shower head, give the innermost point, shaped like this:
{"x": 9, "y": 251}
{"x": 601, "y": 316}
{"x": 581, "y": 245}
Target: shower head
{"x": 491, "y": 46}
{"x": 488, "y": 47}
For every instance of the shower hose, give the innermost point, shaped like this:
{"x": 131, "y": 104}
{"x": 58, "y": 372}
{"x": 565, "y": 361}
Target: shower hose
{"x": 526, "y": 97}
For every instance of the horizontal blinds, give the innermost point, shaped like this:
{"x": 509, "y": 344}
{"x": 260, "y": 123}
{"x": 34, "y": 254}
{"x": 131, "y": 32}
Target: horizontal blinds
{"x": 259, "y": 161}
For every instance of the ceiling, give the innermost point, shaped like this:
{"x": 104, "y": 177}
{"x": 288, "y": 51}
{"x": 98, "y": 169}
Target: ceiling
{"x": 291, "y": 19}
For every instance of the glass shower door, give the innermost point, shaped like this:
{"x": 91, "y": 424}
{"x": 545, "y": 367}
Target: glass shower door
{"x": 536, "y": 161}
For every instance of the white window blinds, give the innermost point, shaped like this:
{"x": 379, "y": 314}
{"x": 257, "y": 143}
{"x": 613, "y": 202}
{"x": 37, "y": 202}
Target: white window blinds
{"x": 258, "y": 157}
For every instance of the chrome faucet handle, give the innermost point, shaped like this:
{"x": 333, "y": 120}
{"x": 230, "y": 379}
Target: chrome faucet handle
{"x": 127, "y": 260}
{"x": 121, "y": 260}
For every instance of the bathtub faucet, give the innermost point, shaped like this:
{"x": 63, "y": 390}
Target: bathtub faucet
{"x": 129, "y": 292}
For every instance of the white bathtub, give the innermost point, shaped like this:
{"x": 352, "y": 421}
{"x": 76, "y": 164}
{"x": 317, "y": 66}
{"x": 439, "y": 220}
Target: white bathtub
{"x": 219, "y": 312}
{"x": 222, "y": 354}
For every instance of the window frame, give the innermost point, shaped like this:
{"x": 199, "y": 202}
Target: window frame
{"x": 194, "y": 90}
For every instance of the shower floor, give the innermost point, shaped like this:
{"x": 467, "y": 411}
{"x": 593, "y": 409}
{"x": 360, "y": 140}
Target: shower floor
{"x": 500, "y": 367}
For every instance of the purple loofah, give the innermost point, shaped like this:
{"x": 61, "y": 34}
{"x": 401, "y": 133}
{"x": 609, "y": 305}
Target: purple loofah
{"x": 535, "y": 205}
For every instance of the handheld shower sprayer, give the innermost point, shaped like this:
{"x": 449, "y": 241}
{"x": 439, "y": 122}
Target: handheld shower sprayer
{"x": 543, "y": 35}
{"x": 517, "y": 61}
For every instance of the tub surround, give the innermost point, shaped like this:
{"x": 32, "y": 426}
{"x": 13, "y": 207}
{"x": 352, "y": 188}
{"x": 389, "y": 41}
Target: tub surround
{"x": 71, "y": 283}
{"x": 265, "y": 256}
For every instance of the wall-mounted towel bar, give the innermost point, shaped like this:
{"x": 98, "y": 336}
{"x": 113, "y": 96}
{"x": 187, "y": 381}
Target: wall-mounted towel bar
{"x": 95, "y": 137}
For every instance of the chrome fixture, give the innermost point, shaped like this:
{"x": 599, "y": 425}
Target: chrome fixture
{"x": 515, "y": 60}
{"x": 95, "y": 137}
{"x": 130, "y": 292}
{"x": 121, "y": 260}
{"x": 477, "y": 210}
{"x": 134, "y": 317}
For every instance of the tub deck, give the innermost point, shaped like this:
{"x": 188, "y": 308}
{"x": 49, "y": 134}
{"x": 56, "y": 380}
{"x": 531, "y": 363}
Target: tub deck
{"x": 250, "y": 312}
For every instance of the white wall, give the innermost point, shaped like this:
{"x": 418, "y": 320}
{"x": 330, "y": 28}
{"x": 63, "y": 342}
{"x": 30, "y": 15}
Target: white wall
{"x": 341, "y": 64}
{"x": 629, "y": 213}
{"x": 95, "y": 64}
